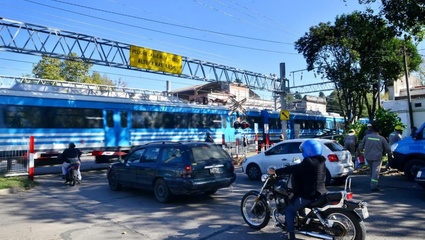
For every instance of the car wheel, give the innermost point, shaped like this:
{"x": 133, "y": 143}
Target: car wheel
{"x": 253, "y": 172}
{"x": 162, "y": 193}
{"x": 114, "y": 184}
{"x": 412, "y": 167}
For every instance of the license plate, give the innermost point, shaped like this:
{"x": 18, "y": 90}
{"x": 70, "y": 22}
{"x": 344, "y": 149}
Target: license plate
{"x": 216, "y": 170}
{"x": 365, "y": 212}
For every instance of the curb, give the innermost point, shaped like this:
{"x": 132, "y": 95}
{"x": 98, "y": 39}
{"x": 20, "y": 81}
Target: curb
{"x": 8, "y": 191}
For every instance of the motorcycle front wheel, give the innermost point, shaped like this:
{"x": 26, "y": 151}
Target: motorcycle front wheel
{"x": 255, "y": 213}
{"x": 346, "y": 225}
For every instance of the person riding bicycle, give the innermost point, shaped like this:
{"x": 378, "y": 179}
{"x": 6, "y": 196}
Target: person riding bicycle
{"x": 71, "y": 155}
{"x": 309, "y": 181}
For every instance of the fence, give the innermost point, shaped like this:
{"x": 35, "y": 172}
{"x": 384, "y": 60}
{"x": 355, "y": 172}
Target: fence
{"x": 15, "y": 162}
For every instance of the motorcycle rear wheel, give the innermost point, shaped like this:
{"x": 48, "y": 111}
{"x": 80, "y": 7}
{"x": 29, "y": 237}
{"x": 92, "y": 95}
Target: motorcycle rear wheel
{"x": 74, "y": 179}
{"x": 348, "y": 225}
{"x": 255, "y": 214}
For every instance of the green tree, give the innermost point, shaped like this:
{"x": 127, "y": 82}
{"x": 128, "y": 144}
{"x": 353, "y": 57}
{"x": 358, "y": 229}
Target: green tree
{"x": 407, "y": 15}
{"x": 48, "y": 68}
{"x": 356, "y": 53}
{"x": 72, "y": 69}
{"x": 75, "y": 69}
{"x": 385, "y": 120}
{"x": 333, "y": 104}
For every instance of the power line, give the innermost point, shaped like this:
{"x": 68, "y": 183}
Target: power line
{"x": 170, "y": 24}
{"x": 162, "y": 32}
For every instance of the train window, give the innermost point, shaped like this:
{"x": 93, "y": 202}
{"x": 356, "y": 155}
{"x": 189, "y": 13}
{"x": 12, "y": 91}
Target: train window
{"x": 167, "y": 120}
{"x": 124, "y": 119}
{"x": 93, "y": 118}
{"x": 216, "y": 121}
{"x": 51, "y": 117}
{"x": 23, "y": 117}
{"x": 274, "y": 123}
{"x": 176, "y": 120}
{"x": 140, "y": 119}
{"x": 109, "y": 118}
{"x": 195, "y": 121}
{"x": 181, "y": 120}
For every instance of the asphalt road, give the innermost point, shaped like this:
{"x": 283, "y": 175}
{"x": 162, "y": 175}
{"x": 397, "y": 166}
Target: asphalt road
{"x": 91, "y": 211}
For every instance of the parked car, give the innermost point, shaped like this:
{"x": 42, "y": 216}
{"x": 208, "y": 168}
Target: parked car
{"x": 174, "y": 168}
{"x": 409, "y": 153}
{"x": 420, "y": 177}
{"x": 339, "y": 164}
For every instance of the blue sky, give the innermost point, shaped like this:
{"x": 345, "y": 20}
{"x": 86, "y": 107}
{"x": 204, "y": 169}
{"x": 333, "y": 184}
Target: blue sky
{"x": 254, "y": 35}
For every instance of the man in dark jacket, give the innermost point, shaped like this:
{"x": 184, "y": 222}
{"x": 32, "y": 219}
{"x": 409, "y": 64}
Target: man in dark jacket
{"x": 309, "y": 181}
{"x": 71, "y": 155}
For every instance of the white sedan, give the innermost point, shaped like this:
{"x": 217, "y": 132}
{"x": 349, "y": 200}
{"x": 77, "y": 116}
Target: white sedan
{"x": 339, "y": 164}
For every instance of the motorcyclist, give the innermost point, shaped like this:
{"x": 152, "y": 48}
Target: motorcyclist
{"x": 71, "y": 155}
{"x": 308, "y": 181}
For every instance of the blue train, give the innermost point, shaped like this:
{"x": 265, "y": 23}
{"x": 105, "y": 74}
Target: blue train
{"x": 105, "y": 120}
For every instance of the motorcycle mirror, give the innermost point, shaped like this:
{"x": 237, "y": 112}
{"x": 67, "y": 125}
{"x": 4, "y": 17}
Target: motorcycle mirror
{"x": 271, "y": 170}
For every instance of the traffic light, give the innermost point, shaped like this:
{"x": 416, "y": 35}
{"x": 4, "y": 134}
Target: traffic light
{"x": 243, "y": 124}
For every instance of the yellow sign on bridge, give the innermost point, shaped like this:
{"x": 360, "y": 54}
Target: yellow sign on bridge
{"x": 155, "y": 60}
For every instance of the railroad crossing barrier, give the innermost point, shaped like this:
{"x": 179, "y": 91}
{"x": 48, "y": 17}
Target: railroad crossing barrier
{"x": 15, "y": 162}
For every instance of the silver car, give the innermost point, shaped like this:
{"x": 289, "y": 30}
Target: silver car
{"x": 339, "y": 164}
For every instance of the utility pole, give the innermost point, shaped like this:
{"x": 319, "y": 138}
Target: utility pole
{"x": 283, "y": 94}
{"x": 409, "y": 99}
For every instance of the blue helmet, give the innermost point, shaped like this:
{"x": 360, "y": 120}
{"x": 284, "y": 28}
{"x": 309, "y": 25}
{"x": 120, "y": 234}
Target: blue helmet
{"x": 311, "y": 148}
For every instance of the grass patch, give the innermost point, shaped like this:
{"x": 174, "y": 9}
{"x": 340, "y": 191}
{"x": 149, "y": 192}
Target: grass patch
{"x": 21, "y": 182}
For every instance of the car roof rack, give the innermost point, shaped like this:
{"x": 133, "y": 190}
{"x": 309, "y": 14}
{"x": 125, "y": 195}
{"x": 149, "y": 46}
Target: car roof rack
{"x": 162, "y": 142}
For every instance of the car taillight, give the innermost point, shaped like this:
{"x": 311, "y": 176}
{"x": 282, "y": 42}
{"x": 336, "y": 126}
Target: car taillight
{"x": 187, "y": 172}
{"x": 349, "y": 196}
{"x": 333, "y": 158}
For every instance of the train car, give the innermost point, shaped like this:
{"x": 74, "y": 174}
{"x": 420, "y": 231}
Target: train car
{"x": 100, "y": 123}
{"x": 106, "y": 121}
{"x": 299, "y": 125}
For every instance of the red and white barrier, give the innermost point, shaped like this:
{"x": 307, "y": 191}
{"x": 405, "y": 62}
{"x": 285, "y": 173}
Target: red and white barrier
{"x": 31, "y": 159}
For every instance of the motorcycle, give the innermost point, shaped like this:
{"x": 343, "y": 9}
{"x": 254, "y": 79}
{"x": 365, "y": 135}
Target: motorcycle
{"x": 71, "y": 175}
{"x": 332, "y": 216}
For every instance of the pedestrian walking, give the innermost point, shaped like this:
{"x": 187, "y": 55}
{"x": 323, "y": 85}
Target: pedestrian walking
{"x": 393, "y": 138}
{"x": 374, "y": 146}
{"x": 350, "y": 142}
{"x": 368, "y": 130}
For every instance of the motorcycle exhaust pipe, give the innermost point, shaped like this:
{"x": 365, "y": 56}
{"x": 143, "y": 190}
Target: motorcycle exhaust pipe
{"x": 316, "y": 235}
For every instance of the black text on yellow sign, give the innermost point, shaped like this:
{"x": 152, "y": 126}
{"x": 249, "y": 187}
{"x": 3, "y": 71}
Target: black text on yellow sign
{"x": 155, "y": 60}
{"x": 284, "y": 115}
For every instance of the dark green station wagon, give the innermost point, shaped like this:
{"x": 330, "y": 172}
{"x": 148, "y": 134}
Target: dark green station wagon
{"x": 174, "y": 168}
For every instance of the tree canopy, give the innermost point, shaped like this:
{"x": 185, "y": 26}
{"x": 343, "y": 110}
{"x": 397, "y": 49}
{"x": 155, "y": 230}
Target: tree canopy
{"x": 406, "y": 16}
{"x": 72, "y": 69}
{"x": 360, "y": 54}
